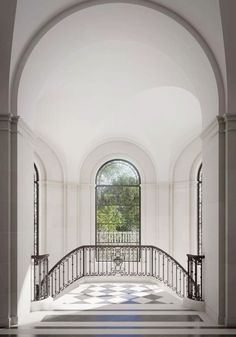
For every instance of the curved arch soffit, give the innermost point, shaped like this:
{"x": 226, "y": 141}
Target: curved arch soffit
{"x": 42, "y": 146}
{"x": 195, "y": 167}
{"x": 40, "y": 165}
{"x": 121, "y": 150}
{"x": 191, "y": 155}
{"x": 145, "y": 3}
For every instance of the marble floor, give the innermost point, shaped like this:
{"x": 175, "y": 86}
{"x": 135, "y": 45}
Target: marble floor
{"x": 118, "y": 309}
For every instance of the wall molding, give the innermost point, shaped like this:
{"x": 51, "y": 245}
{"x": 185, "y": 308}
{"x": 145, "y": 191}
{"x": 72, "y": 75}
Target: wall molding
{"x": 8, "y": 122}
{"x": 26, "y": 132}
{"x": 212, "y": 129}
{"x": 221, "y": 124}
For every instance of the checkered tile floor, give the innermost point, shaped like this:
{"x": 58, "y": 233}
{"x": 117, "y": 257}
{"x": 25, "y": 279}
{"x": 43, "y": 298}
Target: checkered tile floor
{"x": 117, "y": 309}
{"x": 118, "y": 293}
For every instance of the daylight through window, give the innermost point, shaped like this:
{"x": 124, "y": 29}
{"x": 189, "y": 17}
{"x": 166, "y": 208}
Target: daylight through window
{"x": 118, "y": 204}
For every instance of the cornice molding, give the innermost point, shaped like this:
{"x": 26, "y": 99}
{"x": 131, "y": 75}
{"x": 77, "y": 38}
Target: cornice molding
{"x": 221, "y": 124}
{"x": 52, "y": 183}
{"x": 6, "y": 117}
{"x": 25, "y": 131}
{"x": 229, "y": 117}
{"x": 8, "y": 122}
{"x": 211, "y": 130}
{"x": 230, "y": 122}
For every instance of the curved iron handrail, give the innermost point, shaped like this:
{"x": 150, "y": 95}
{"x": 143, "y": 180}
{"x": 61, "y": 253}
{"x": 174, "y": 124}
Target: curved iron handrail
{"x": 114, "y": 246}
{"x": 139, "y": 260}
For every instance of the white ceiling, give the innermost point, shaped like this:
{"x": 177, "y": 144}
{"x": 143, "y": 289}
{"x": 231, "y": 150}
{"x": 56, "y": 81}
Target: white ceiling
{"x": 203, "y": 15}
{"x": 117, "y": 71}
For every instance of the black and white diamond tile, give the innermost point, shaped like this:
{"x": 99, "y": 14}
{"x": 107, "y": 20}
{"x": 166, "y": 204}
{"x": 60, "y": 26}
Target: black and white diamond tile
{"x": 118, "y": 293}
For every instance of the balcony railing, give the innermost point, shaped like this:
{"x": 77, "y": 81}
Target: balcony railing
{"x": 40, "y": 277}
{"x": 195, "y": 272}
{"x": 123, "y": 238}
{"x": 121, "y": 260}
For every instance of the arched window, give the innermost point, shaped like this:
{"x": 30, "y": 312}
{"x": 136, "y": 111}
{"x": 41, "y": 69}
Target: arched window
{"x": 118, "y": 205}
{"x": 36, "y": 210}
{"x": 199, "y": 210}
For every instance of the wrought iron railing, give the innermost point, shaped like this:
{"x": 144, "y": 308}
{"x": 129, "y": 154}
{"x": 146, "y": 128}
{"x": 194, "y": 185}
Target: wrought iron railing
{"x": 195, "y": 266}
{"x": 123, "y": 238}
{"x": 118, "y": 260}
{"x": 40, "y": 277}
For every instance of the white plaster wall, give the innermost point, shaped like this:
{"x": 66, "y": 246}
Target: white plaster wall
{"x": 55, "y": 231}
{"x": 181, "y": 221}
{"x": 72, "y": 225}
{"x": 58, "y": 204}
{"x": 24, "y": 221}
{"x": 211, "y": 218}
{"x": 163, "y": 213}
{"x": 149, "y": 226}
{"x": 140, "y": 159}
{"x": 184, "y": 202}
{"x": 168, "y": 209}
{"x": 52, "y": 202}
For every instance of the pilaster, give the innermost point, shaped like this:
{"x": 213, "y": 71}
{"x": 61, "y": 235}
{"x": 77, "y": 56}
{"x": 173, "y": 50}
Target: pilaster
{"x": 219, "y": 216}
{"x": 214, "y": 218}
{"x": 230, "y": 219}
{"x": 8, "y": 220}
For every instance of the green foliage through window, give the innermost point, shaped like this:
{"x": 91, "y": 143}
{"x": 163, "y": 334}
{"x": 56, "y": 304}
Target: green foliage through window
{"x": 118, "y": 198}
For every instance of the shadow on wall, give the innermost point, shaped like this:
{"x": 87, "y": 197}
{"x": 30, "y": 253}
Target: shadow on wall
{"x": 24, "y": 298}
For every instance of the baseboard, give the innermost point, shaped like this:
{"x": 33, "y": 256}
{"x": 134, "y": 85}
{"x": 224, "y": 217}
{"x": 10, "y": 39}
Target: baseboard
{"x": 230, "y": 321}
{"x": 194, "y": 305}
{"x": 8, "y": 322}
{"x": 42, "y": 305}
{"x": 213, "y": 315}
{"x": 13, "y": 321}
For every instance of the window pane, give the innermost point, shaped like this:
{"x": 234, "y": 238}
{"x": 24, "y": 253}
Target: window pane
{"x": 199, "y": 211}
{"x": 118, "y": 204}
{"x": 36, "y": 211}
{"x": 117, "y": 172}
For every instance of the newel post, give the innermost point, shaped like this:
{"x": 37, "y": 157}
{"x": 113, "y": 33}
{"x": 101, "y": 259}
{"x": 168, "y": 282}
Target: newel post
{"x": 195, "y": 266}
{"x": 40, "y": 277}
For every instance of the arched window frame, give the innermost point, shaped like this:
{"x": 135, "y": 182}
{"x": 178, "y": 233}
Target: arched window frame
{"x": 97, "y": 186}
{"x": 36, "y": 210}
{"x": 199, "y": 210}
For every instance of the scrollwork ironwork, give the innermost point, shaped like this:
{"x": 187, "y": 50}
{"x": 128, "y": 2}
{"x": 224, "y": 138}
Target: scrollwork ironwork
{"x": 122, "y": 261}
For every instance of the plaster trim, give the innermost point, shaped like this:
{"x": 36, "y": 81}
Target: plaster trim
{"x": 230, "y": 122}
{"x": 211, "y": 130}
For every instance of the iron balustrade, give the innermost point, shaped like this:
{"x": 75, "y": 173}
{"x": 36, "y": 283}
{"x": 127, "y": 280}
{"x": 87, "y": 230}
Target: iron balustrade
{"x": 40, "y": 277}
{"x": 36, "y": 211}
{"x": 195, "y": 272}
{"x": 118, "y": 237}
{"x": 117, "y": 260}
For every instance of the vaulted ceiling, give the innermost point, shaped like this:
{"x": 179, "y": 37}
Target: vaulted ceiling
{"x": 117, "y": 71}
